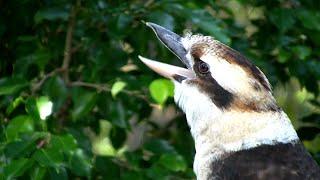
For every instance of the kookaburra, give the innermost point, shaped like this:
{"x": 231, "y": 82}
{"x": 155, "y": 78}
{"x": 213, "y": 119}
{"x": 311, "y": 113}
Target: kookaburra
{"x": 239, "y": 130}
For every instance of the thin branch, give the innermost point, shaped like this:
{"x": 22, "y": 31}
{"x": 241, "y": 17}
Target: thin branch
{"x": 106, "y": 88}
{"x": 68, "y": 43}
{"x": 39, "y": 84}
{"x": 99, "y": 87}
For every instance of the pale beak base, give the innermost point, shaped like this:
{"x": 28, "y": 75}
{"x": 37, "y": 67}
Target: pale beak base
{"x": 167, "y": 70}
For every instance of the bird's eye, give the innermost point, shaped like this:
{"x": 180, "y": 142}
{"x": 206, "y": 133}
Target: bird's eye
{"x": 203, "y": 67}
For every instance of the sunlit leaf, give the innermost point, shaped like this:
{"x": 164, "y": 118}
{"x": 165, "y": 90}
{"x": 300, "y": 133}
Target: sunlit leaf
{"x": 14, "y": 104}
{"x": 160, "y": 90}
{"x": 117, "y": 87}
{"x": 44, "y": 106}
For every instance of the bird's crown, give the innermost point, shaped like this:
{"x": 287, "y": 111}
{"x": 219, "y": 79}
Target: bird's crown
{"x": 215, "y": 70}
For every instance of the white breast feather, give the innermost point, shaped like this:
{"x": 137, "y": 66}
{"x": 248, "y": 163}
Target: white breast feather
{"x": 217, "y": 132}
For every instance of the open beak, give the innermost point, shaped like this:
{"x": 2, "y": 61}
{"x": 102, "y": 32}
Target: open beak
{"x": 173, "y": 42}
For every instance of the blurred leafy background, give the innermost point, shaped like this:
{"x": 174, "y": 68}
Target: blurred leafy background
{"x": 75, "y": 101}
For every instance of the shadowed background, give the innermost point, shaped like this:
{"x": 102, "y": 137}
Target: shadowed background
{"x": 75, "y": 101}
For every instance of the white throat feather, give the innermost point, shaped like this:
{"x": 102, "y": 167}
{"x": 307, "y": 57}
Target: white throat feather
{"x": 217, "y": 131}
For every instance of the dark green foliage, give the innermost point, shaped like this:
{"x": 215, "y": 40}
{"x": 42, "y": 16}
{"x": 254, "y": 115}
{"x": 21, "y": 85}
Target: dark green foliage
{"x": 80, "y": 57}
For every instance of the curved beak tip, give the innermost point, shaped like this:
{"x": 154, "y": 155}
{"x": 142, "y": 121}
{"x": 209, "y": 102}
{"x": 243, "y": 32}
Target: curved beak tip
{"x": 173, "y": 42}
{"x": 148, "y": 24}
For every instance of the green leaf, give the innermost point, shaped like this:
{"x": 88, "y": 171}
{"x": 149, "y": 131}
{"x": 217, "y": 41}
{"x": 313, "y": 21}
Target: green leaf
{"x": 212, "y": 26}
{"x": 80, "y": 164}
{"x": 202, "y": 19}
{"x": 159, "y": 146}
{"x": 214, "y": 29}
{"x": 13, "y": 105}
{"x": 170, "y": 87}
{"x": 44, "y": 106}
{"x": 51, "y": 14}
{"x": 124, "y": 21}
{"x": 132, "y": 175}
{"x": 309, "y": 19}
{"x": 17, "y": 167}
{"x": 38, "y": 173}
{"x": 173, "y": 162}
{"x": 56, "y": 89}
{"x": 65, "y": 142}
{"x": 157, "y": 172}
{"x": 50, "y": 157}
{"x": 162, "y": 18}
{"x": 283, "y": 19}
{"x": 161, "y": 89}
{"x": 117, "y": 87}
{"x": 32, "y": 109}
{"x": 11, "y": 85}
{"x": 19, "y": 124}
{"x": 117, "y": 114}
{"x": 58, "y": 173}
{"x": 83, "y": 103}
{"x": 302, "y": 52}
{"x": 106, "y": 167}
{"x": 24, "y": 146}
{"x": 283, "y": 56}
{"x": 27, "y": 38}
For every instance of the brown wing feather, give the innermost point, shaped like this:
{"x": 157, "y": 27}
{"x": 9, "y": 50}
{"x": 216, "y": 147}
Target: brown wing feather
{"x": 268, "y": 162}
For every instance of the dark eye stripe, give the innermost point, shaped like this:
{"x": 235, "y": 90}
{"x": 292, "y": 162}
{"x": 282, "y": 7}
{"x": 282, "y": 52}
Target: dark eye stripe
{"x": 221, "y": 97}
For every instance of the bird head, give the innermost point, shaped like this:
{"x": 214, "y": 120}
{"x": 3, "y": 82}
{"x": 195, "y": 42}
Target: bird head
{"x": 228, "y": 101}
{"x": 216, "y": 78}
